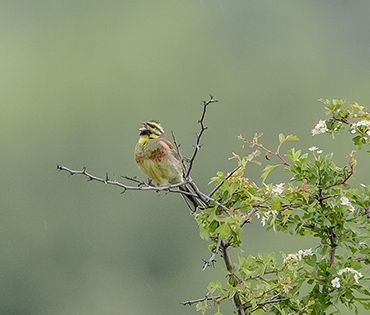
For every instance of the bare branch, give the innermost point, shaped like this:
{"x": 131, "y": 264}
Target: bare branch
{"x": 197, "y": 145}
{"x": 208, "y": 298}
{"x": 142, "y": 185}
{"x": 211, "y": 261}
{"x": 273, "y": 299}
{"x": 177, "y": 145}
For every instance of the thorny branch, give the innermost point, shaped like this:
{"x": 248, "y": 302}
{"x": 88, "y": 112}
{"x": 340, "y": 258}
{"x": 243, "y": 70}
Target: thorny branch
{"x": 203, "y": 128}
{"x": 141, "y": 184}
{"x": 211, "y": 261}
{"x": 208, "y": 298}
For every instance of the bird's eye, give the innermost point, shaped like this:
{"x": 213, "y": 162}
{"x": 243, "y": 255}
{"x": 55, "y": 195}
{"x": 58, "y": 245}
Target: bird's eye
{"x": 151, "y": 125}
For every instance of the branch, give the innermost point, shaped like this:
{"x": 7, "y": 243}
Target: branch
{"x": 230, "y": 269}
{"x": 254, "y": 142}
{"x": 190, "y": 302}
{"x": 273, "y": 299}
{"x": 211, "y": 261}
{"x": 141, "y": 185}
{"x": 223, "y": 181}
{"x": 177, "y": 145}
{"x": 197, "y": 145}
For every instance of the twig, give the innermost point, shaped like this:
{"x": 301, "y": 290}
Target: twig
{"x": 273, "y": 299}
{"x": 223, "y": 181}
{"x": 177, "y": 145}
{"x": 142, "y": 185}
{"x": 208, "y": 298}
{"x": 254, "y": 142}
{"x": 211, "y": 261}
{"x": 197, "y": 145}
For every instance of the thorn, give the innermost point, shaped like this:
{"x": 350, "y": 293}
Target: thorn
{"x": 84, "y": 170}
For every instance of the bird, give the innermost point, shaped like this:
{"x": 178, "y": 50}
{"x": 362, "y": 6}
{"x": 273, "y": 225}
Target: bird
{"x": 157, "y": 158}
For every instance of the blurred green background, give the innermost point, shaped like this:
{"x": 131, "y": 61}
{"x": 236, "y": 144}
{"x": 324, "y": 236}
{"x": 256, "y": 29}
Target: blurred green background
{"x": 77, "y": 77}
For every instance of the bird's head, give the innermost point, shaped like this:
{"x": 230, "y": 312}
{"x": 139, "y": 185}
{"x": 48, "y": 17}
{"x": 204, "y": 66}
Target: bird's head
{"x": 151, "y": 130}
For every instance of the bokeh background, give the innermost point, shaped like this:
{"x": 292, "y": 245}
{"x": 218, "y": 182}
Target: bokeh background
{"x": 76, "y": 79}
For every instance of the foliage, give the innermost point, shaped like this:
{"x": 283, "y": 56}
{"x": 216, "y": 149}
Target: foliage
{"x": 318, "y": 201}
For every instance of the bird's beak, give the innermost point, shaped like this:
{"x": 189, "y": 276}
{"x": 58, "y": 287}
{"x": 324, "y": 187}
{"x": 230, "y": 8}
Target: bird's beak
{"x": 144, "y": 127}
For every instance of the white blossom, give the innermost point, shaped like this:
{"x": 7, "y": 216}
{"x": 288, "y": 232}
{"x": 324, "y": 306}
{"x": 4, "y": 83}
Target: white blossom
{"x": 319, "y": 128}
{"x": 345, "y": 202}
{"x": 356, "y": 274}
{"x": 297, "y": 257}
{"x": 279, "y": 189}
{"x": 314, "y": 148}
{"x": 263, "y": 220}
{"x": 335, "y": 282}
{"x": 292, "y": 259}
{"x": 363, "y": 123}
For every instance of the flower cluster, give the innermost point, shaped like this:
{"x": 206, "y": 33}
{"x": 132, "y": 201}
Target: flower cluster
{"x": 266, "y": 216}
{"x": 297, "y": 257}
{"x": 365, "y": 123}
{"x": 345, "y": 202}
{"x": 315, "y": 149}
{"x": 320, "y": 128}
{"x": 278, "y": 190}
{"x": 356, "y": 275}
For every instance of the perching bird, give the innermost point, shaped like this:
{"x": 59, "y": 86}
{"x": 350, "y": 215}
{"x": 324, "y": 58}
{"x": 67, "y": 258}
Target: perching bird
{"x": 157, "y": 158}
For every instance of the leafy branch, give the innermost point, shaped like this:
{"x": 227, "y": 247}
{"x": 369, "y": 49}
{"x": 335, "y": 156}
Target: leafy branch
{"x": 318, "y": 201}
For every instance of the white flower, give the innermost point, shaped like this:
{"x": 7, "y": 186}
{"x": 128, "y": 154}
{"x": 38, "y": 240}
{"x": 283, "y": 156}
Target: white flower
{"x": 263, "y": 220}
{"x": 319, "y": 151}
{"x": 335, "y": 282}
{"x": 292, "y": 259}
{"x": 345, "y": 202}
{"x": 279, "y": 189}
{"x": 306, "y": 252}
{"x": 363, "y": 123}
{"x": 356, "y": 274}
{"x": 296, "y": 257}
{"x": 319, "y": 128}
{"x": 314, "y": 148}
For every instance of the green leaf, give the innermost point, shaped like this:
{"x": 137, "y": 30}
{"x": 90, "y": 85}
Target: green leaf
{"x": 267, "y": 171}
{"x": 223, "y": 231}
{"x": 283, "y": 139}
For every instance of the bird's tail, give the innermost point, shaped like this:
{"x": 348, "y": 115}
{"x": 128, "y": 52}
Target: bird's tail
{"x": 192, "y": 202}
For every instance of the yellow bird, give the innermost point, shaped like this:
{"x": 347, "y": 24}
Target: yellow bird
{"x": 157, "y": 158}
